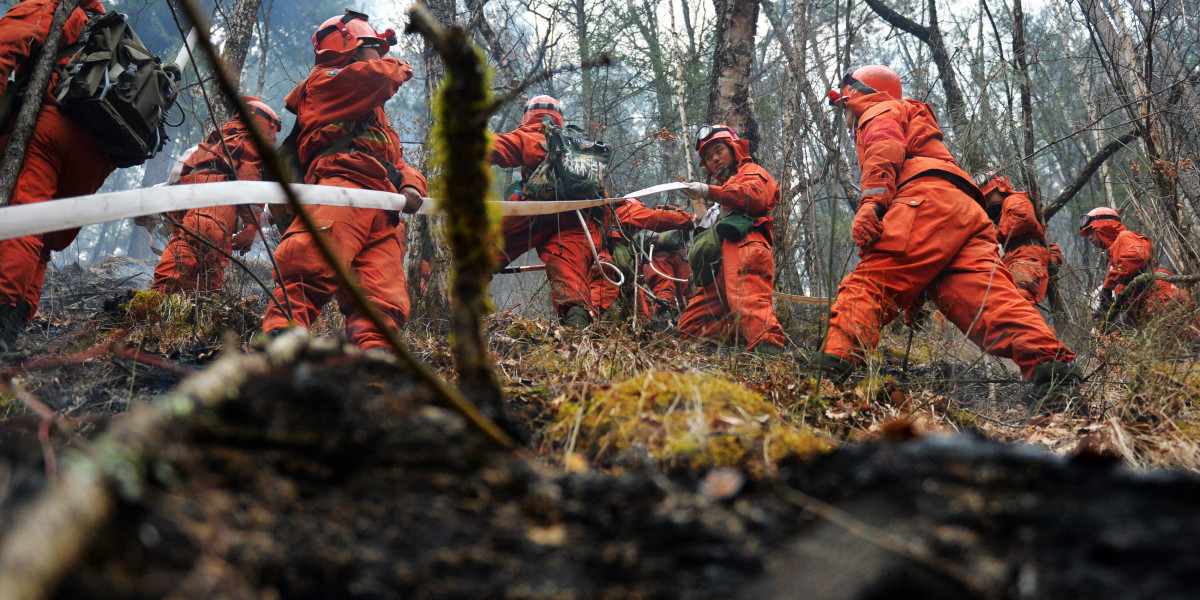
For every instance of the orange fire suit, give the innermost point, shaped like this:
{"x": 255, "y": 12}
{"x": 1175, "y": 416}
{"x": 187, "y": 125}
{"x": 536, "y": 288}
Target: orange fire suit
{"x": 559, "y": 239}
{"x": 1025, "y": 253}
{"x": 340, "y": 95}
{"x": 63, "y": 158}
{"x": 672, "y": 264}
{"x": 627, "y": 218}
{"x": 188, "y": 264}
{"x": 936, "y": 238}
{"x": 737, "y": 304}
{"x": 1129, "y": 255}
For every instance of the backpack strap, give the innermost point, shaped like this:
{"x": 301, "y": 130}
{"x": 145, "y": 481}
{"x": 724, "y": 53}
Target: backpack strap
{"x": 342, "y": 146}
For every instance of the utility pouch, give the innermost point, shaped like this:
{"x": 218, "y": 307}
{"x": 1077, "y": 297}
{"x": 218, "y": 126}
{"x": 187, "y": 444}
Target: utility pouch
{"x": 705, "y": 257}
{"x": 734, "y": 226}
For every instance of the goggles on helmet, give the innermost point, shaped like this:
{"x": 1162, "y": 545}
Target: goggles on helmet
{"x": 276, "y": 124}
{"x": 837, "y": 98}
{"x": 1086, "y": 220}
{"x": 706, "y": 132}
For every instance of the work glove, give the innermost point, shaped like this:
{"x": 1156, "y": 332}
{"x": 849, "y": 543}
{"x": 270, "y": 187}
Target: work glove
{"x": 867, "y": 227}
{"x": 696, "y": 190}
{"x": 243, "y": 240}
{"x": 1106, "y": 302}
{"x": 414, "y": 199}
{"x": 709, "y": 218}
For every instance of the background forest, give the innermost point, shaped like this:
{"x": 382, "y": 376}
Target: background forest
{"x": 1083, "y": 103}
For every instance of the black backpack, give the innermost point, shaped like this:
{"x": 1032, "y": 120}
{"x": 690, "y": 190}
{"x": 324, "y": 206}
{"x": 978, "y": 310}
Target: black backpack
{"x": 119, "y": 90}
{"x": 574, "y": 169}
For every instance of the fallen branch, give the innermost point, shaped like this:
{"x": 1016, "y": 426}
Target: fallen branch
{"x": 1089, "y": 169}
{"x": 51, "y": 535}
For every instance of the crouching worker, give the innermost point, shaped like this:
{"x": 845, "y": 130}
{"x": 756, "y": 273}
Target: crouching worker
{"x": 668, "y": 272}
{"x": 347, "y": 141}
{"x": 1026, "y": 254}
{"x": 734, "y": 268}
{"x": 1130, "y": 254}
{"x": 627, "y": 218}
{"x": 921, "y": 227}
{"x": 197, "y": 264}
{"x": 64, "y": 159}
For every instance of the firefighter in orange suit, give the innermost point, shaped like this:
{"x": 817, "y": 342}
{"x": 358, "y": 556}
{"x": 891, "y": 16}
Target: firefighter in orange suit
{"x": 737, "y": 305}
{"x": 347, "y": 141}
{"x": 561, "y": 241}
{"x": 921, "y": 227}
{"x": 189, "y": 264}
{"x": 63, "y": 159}
{"x": 1131, "y": 254}
{"x": 1026, "y": 254}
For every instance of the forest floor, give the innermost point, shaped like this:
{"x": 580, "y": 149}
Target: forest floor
{"x": 654, "y": 467}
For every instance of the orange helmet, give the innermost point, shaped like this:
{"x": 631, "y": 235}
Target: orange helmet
{"x": 991, "y": 182}
{"x": 260, "y": 108}
{"x": 352, "y": 31}
{"x": 1096, "y": 214}
{"x": 540, "y": 106}
{"x": 713, "y": 133}
{"x": 867, "y": 80}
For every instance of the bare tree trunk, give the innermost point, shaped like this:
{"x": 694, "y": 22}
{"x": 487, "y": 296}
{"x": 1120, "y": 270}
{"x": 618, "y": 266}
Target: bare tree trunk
{"x": 26, "y": 119}
{"x": 685, "y": 133}
{"x": 240, "y": 26}
{"x": 587, "y": 85}
{"x": 480, "y": 25}
{"x": 264, "y": 43}
{"x": 424, "y": 243}
{"x": 729, "y": 98}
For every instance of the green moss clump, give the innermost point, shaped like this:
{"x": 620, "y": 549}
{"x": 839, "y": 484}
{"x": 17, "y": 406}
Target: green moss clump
{"x": 683, "y": 420}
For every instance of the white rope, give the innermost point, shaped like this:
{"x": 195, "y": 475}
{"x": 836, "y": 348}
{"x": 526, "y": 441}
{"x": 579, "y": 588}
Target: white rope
{"x": 596, "y": 255}
{"x": 42, "y": 217}
{"x": 650, "y": 257}
{"x": 67, "y": 213}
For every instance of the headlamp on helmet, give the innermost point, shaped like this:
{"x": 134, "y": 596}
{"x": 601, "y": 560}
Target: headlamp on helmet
{"x": 708, "y": 132}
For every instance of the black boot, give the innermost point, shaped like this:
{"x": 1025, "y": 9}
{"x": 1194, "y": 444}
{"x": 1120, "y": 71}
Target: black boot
{"x": 1055, "y": 388}
{"x": 834, "y": 367}
{"x": 12, "y": 320}
{"x": 577, "y": 317}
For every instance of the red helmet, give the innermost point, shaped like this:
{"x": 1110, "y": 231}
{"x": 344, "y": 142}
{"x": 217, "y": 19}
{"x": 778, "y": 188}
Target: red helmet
{"x": 349, "y": 31}
{"x": 713, "y": 133}
{"x": 260, "y": 108}
{"x": 867, "y": 80}
{"x": 1096, "y": 214}
{"x": 539, "y": 106}
{"x": 991, "y": 182}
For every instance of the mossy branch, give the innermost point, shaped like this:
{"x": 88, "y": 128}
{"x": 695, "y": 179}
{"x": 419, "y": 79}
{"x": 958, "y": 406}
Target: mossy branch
{"x": 462, "y": 146}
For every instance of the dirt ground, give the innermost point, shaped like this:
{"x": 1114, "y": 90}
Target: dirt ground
{"x": 336, "y": 477}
